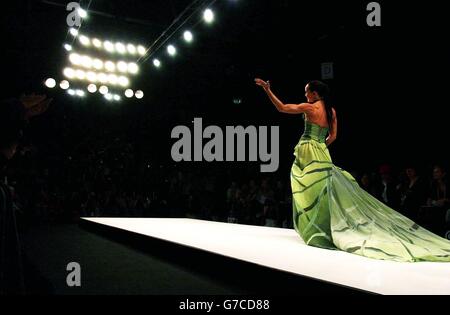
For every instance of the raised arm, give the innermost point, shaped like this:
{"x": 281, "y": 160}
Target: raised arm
{"x": 280, "y": 106}
{"x": 334, "y": 130}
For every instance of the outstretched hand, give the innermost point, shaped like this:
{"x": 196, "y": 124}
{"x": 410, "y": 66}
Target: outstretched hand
{"x": 265, "y": 85}
{"x": 35, "y": 105}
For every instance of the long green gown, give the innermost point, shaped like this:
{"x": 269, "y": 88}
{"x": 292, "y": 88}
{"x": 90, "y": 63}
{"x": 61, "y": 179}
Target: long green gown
{"x": 330, "y": 210}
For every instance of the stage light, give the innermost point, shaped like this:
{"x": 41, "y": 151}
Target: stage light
{"x": 103, "y": 89}
{"x": 91, "y": 76}
{"x": 133, "y": 68}
{"x": 97, "y": 43}
{"x": 116, "y": 97}
{"x": 109, "y": 47}
{"x": 171, "y": 50}
{"x": 188, "y": 37}
{"x": 110, "y": 66}
{"x": 84, "y": 40}
{"x": 80, "y": 74}
{"x": 121, "y": 49}
{"x": 69, "y": 73}
{"x": 75, "y": 59}
{"x": 109, "y": 97}
{"x": 71, "y": 92}
{"x": 92, "y": 88}
{"x": 141, "y": 50}
{"x": 67, "y": 47}
{"x": 98, "y": 64}
{"x": 122, "y": 66}
{"x": 112, "y": 78}
{"x": 73, "y": 32}
{"x": 129, "y": 93}
{"x": 86, "y": 61}
{"x": 80, "y": 93}
{"x": 102, "y": 78}
{"x": 82, "y": 13}
{"x": 208, "y": 16}
{"x": 123, "y": 81}
{"x": 50, "y": 83}
{"x": 131, "y": 49}
{"x": 157, "y": 63}
{"x": 139, "y": 94}
{"x": 64, "y": 84}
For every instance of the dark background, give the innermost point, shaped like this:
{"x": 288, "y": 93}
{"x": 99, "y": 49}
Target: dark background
{"x": 389, "y": 88}
{"x": 90, "y": 157}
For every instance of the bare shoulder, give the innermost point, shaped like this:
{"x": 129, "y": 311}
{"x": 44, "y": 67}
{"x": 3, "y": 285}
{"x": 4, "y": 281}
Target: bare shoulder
{"x": 334, "y": 113}
{"x": 310, "y": 108}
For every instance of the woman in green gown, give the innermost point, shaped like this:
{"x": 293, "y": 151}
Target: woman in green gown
{"x": 331, "y": 210}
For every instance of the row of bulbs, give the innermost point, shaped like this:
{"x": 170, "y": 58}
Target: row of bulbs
{"x": 92, "y": 88}
{"x": 107, "y": 45}
{"x": 93, "y": 77}
{"x": 97, "y": 64}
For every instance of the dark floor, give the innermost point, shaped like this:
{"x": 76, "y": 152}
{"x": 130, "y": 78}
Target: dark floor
{"x": 119, "y": 262}
{"x": 107, "y": 267}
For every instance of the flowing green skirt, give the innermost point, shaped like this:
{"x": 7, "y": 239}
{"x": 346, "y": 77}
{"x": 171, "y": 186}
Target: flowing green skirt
{"x": 330, "y": 210}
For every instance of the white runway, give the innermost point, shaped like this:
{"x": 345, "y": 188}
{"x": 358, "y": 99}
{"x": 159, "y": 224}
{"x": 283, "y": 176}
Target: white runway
{"x": 283, "y": 249}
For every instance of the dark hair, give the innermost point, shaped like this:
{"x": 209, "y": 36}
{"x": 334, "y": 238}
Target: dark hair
{"x": 440, "y": 166}
{"x": 324, "y": 92}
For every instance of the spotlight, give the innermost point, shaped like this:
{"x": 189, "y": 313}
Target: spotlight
{"x": 69, "y": 73}
{"x": 64, "y": 84}
{"x": 102, "y": 78}
{"x": 110, "y": 66}
{"x": 139, "y": 94}
{"x": 208, "y": 16}
{"x": 171, "y": 50}
{"x": 91, "y": 76}
{"x": 122, "y": 66}
{"x": 116, "y": 97}
{"x": 123, "y": 81}
{"x": 141, "y": 50}
{"x": 84, "y": 40}
{"x": 157, "y": 63}
{"x": 67, "y": 47}
{"x": 121, "y": 49}
{"x": 112, "y": 78}
{"x": 92, "y": 88}
{"x": 188, "y": 37}
{"x": 80, "y": 93}
{"x": 103, "y": 89}
{"x": 133, "y": 68}
{"x": 109, "y": 97}
{"x": 129, "y": 93}
{"x": 71, "y": 92}
{"x": 86, "y": 62}
{"x": 73, "y": 32}
{"x": 50, "y": 83}
{"x": 97, "y": 43}
{"x": 131, "y": 49}
{"x": 75, "y": 59}
{"x": 82, "y": 13}
{"x": 98, "y": 64}
{"x": 109, "y": 47}
{"x": 80, "y": 74}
